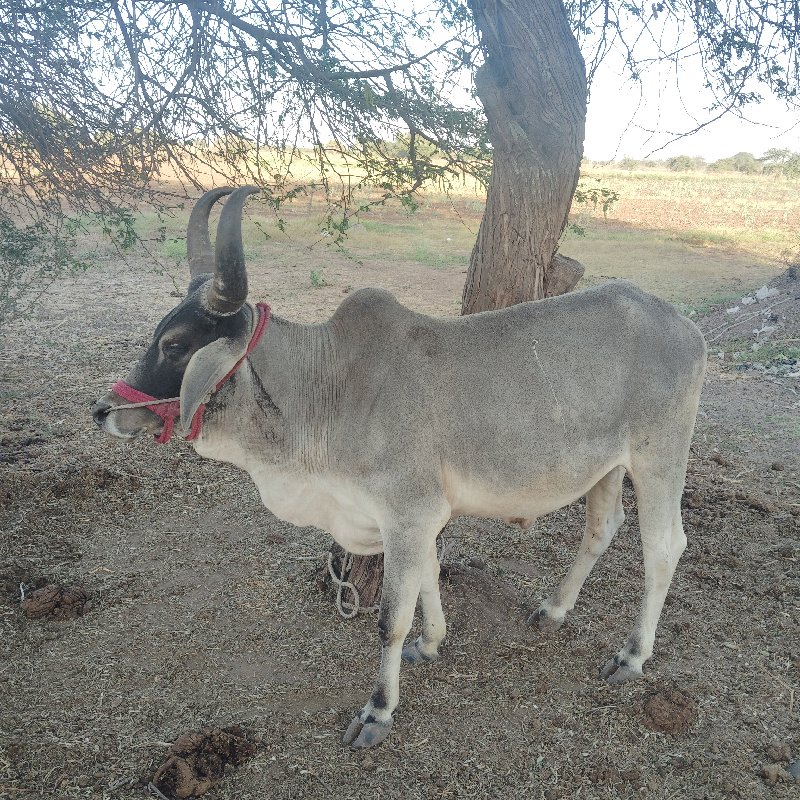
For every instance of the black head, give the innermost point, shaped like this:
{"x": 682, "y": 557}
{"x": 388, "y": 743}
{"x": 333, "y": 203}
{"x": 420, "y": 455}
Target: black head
{"x": 198, "y": 341}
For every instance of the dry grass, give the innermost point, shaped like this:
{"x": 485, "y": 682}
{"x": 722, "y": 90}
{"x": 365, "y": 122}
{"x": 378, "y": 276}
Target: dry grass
{"x": 687, "y": 237}
{"x": 755, "y": 214}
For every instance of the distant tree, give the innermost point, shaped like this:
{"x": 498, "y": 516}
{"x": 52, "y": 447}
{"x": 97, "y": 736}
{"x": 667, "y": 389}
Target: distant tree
{"x": 746, "y": 163}
{"x": 630, "y": 164}
{"x": 686, "y": 163}
{"x": 781, "y": 162}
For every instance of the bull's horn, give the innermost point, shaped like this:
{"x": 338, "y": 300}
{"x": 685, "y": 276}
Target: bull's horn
{"x": 198, "y": 243}
{"x": 228, "y": 291}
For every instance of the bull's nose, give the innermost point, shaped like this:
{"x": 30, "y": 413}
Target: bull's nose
{"x": 100, "y": 411}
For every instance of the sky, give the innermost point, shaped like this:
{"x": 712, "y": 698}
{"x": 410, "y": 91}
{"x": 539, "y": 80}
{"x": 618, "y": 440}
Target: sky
{"x": 641, "y": 120}
{"x": 629, "y": 119}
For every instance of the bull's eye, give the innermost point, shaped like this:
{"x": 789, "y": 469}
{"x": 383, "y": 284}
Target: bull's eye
{"x": 175, "y": 349}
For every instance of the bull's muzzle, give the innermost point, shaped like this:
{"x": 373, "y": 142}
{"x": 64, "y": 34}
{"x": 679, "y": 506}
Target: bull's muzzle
{"x": 100, "y": 410}
{"x": 125, "y": 423}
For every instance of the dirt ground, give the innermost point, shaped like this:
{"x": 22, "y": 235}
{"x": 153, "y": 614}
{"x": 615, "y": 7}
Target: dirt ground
{"x": 203, "y": 611}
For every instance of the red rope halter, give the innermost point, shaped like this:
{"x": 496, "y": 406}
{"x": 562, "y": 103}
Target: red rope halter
{"x": 169, "y": 409}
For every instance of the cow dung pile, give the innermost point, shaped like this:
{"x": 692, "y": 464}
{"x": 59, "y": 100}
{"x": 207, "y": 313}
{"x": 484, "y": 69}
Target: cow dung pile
{"x": 196, "y": 761}
{"x": 670, "y": 711}
{"x": 56, "y": 602}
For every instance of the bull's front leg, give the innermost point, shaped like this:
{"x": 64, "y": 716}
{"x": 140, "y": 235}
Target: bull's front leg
{"x": 407, "y": 550}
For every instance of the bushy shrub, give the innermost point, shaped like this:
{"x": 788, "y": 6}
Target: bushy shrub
{"x": 32, "y": 256}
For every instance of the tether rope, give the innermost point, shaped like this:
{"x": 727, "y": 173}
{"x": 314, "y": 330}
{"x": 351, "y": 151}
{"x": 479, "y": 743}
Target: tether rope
{"x": 347, "y": 610}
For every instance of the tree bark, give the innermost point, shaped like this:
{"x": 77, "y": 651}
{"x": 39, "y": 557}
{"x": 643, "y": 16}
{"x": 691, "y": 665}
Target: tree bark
{"x": 562, "y": 275}
{"x": 364, "y": 573}
{"x": 533, "y": 89}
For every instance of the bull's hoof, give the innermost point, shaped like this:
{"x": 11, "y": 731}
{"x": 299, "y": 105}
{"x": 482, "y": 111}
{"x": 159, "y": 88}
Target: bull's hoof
{"x": 412, "y": 654}
{"x": 617, "y": 670}
{"x": 360, "y": 735}
{"x": 544, "y": 622}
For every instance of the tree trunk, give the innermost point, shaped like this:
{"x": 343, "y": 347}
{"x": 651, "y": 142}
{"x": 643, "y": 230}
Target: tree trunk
{"x": 533, "y": 88}
{"x": 344, "y": 573}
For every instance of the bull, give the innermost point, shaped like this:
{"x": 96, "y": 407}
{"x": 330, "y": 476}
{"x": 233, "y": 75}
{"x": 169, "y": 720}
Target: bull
{"x": 382, "y": 424}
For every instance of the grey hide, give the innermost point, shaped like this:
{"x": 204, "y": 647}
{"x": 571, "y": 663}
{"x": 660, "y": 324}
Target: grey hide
{"x": 381, "y": 424}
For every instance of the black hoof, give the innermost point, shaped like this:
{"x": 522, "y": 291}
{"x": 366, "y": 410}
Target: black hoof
{"x": 360, "y": 735}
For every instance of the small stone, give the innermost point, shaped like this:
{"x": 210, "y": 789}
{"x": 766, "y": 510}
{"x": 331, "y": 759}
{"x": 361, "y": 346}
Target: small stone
{"x": 777, "y": 466}
{"x": 779, "y": 751}
{"x": 765, "y": 292}
{"x": 83, "y": 780}
{"x": 694, "y": 500}
{"x": 794, "y": 769}
{"x": 476, "y": 563}
{"x": 772, "y": 773}
{"x": 368, "y": 762}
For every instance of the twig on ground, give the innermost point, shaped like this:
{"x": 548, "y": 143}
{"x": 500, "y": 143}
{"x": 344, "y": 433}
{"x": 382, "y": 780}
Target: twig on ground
{"x": 723, "y": 329}
{"x": 127, "y": 782}
{"x": 152, "y": 789}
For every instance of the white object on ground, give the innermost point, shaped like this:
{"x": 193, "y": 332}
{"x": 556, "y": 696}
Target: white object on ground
{"x": 764, "y": 292}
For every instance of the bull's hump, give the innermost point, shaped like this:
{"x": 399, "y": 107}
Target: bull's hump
{"x": 368, "y": 302}
{"x": 373, "y": 315}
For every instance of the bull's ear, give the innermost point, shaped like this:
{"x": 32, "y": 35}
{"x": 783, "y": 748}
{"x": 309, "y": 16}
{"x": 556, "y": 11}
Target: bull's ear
{"x": 207, "y": 367}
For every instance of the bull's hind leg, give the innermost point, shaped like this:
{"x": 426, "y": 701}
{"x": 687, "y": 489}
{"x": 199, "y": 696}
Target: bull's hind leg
{"x": 604, "y": 515}
{"x": 659, "y": 503}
